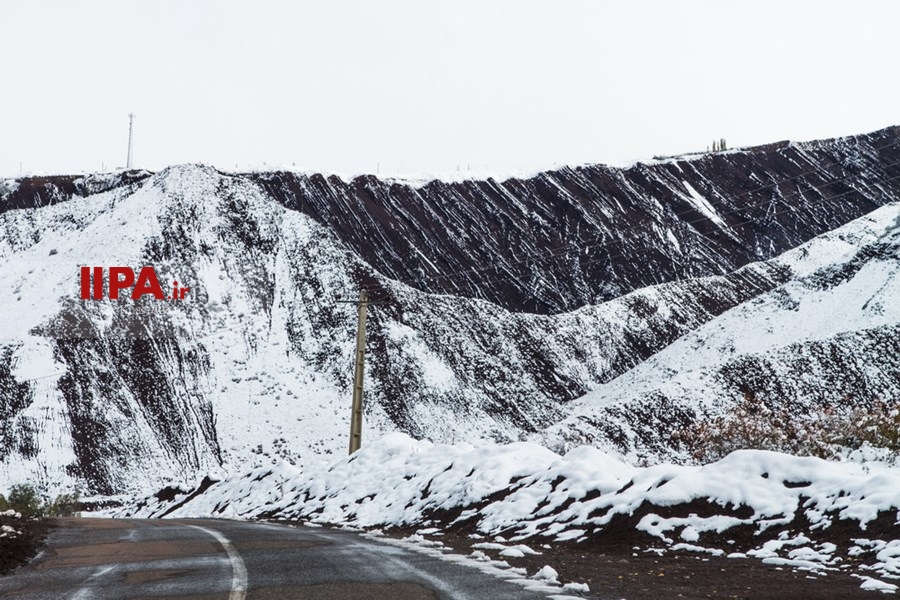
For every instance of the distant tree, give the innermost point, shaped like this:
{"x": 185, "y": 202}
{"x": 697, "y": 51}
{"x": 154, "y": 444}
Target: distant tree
{"x": 752, "y": 423}
{"x": 65, "y": 505}
{"x": 23, "y": 498}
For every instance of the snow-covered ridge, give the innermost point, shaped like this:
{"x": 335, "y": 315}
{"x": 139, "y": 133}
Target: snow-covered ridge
{"x": 257, "y": 366}
{"x": 524, "y": 491}
{"x": 259, "y": 369}
{"x": 563, "y": 238}
{"x": 419, "y": 179}
{"x": 835, "y": 320}
{"x": 581, "y": 235}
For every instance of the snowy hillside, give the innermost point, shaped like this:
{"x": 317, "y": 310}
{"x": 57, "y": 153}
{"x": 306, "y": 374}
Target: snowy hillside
{"x": 117, "y": 398}
{"x": 827, "y": 337}
{"x": 254, "y": 366}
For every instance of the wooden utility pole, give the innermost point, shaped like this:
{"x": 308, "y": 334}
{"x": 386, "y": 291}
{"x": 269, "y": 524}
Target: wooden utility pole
{"x": 356, "y": 411}
{"x": 356, "y": 414}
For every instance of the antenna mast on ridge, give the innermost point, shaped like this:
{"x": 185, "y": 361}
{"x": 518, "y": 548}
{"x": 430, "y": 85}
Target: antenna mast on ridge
{"x": 128, "y": 163}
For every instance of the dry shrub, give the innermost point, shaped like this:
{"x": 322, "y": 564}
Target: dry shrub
{"x": 752, "y": 424}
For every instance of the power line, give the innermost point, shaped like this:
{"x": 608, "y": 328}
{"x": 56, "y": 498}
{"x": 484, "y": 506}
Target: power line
{"x": 550, "y": 254}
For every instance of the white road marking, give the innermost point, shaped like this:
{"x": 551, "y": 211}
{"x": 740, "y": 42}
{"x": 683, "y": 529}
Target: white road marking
{"x": 238, "y": 569}
{"x": 86, "y": 593}
{"x": 103, "y": 572}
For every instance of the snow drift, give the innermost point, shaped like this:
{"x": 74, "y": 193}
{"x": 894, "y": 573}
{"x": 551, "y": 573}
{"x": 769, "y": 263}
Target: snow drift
{"x": 797, "y": 511}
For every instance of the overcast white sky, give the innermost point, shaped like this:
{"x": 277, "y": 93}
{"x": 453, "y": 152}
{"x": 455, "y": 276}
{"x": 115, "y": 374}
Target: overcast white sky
{"x": 423, "y": 87}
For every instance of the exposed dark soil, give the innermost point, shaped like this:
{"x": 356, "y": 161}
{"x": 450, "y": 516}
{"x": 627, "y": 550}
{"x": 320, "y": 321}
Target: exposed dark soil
{"x": 17, "y": 550}
{"x": 618, "y": 571}
{"x": 616, "y": 562}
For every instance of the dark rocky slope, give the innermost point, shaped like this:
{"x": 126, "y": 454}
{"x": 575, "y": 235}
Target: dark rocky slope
{"x": 582, "y": 235}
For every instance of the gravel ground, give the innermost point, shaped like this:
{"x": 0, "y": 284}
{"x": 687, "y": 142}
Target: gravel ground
{"x": 17, "y": 549}
{"x": 619, "y": 571}
{"x": 618, "y": 564}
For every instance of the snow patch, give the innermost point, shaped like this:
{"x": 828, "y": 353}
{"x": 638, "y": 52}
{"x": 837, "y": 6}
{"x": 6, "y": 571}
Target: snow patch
{"x": 704, "y": 206}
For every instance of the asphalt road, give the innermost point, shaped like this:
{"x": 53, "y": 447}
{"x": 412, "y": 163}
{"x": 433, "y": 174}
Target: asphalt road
{"x": 217, "y": 559}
